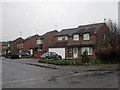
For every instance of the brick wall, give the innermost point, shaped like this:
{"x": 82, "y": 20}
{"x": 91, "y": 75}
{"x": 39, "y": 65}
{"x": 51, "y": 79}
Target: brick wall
{"x": 100, "y": 42}
{"x": 70, "y": 55}
{"x": 20, "y": 45}
{"x": 13, "y": 46}
{"x": 81, "y": 41}
{"x": 30, "y": 43}
{"x": 48, "y": 40}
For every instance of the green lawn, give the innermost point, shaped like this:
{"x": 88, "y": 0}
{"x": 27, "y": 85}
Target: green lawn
{"x": 68, "y": 62}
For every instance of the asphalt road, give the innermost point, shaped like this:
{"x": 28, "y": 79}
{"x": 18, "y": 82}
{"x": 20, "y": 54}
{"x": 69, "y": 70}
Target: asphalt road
{"x": 21, "y": 75}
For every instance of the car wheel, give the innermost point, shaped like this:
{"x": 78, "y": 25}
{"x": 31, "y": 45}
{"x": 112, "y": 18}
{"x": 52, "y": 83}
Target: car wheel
{"x": 59, "y": 58}
{"x": 47, "y": 58}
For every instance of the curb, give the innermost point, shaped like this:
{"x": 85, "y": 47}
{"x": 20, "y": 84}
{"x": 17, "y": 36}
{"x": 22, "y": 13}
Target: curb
{"x": 45, "y": 66}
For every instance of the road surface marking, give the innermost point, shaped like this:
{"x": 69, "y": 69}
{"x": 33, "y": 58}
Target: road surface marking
{"x": 22, "y": 80}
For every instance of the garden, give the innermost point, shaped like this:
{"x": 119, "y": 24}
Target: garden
{"x": 104, "y": 58}
{"x": 68, "y": 62}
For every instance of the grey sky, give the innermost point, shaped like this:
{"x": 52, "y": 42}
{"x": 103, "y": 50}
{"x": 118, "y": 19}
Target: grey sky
{"x": 39, "y": 17}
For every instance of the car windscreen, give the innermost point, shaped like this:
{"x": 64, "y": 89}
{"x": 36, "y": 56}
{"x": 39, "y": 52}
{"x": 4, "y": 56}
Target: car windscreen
{"x": 45, "y": 53}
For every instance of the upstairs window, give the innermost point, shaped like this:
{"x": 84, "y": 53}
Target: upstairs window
{"x": 60, "y": 38}
{"x": 66, "y": 38}
{"x": 39, "y": 41}
{"x": 86, "y": 37}
{"x": 76, "y": 37}
{"x": 8, "y": 45}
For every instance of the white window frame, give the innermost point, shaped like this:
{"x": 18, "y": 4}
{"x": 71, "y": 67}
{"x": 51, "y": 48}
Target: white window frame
{"x": 39, "y": 41}
{"x": 39, "y": 50}
{"x": 76, "y": 37}
{"x": 66, "y": 38}
{"x": 8, "y": 45}
{"x": 86, "y": 36}
{"x": 60, "y": 38}
{"x": 89, "y": 49}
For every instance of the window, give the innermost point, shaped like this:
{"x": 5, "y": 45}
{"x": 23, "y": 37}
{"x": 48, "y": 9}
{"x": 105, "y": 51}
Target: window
{"x": 8, "y": 45}
{"x": 86, "y": 37}
{"x": 59, "y": 38}
{"x": 104, "y": 36}
{"x": 39, "y": 50}
{"x": 66, "y": 38}
{"x": 76, "y": 37}
{"x": 47, "y": 53}
{"x": 8, "y": 51}
{"x": 53, "y": 53}
{"x": 70, "y": 50}
{"x": 39, "y": 41}
{"x": 89, "y": 49}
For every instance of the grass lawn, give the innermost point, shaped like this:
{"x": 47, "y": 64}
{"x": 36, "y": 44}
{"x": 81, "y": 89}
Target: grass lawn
{"x": 68, "y": 62}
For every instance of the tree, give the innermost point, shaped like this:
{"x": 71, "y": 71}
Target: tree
{"x": 112, "y": 39}
{"x": 112, "y": 35}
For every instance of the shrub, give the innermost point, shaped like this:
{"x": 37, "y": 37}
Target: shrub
{"x": 6, "y": 56}
{"x": 109, "y": 56}
{"x": 94, "y": 61}
{"x": 14, "y": 56}
{"x": 85, "y": 57}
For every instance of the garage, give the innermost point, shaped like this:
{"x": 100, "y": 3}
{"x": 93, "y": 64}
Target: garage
{"x": 60, "y": 51}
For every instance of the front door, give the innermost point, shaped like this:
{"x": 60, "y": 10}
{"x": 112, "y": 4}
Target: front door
{"x": 31, "y": 51}
{"x": 75, "y": 52}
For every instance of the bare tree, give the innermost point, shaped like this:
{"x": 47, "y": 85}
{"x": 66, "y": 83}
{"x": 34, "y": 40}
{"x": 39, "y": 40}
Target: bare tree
{"x": 112, "y": 36}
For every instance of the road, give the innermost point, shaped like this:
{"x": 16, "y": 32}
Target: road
{"x": 21, "y": 75}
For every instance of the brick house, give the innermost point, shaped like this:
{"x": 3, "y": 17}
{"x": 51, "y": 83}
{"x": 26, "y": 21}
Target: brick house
{"x": 42, "y": 43}
{"x": 71, "y": 43}
{"x": 12, "y": 46}
{"x": 3, "y": 46}
{"x": 26, "y": 44}
{"x": 20, "y": 46}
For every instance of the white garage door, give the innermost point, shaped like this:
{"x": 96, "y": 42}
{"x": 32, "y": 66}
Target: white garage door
{"x": 60, "y": 51}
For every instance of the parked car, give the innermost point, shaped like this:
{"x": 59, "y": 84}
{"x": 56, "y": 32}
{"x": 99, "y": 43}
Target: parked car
{"x": 51, "y": 55}
{"x": 25, "y": 54}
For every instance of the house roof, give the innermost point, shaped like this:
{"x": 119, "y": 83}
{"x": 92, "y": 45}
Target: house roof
{"x": 17, "y": 39}
{"x": 28, "y": 38}
{"x": 58, "y": 44}
{"x": 46, "y": 34}
{"x": 91, "y": 28}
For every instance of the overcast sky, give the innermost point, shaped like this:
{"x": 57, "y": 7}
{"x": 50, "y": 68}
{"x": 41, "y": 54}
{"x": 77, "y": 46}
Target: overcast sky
{"x": 40, "y": 17}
